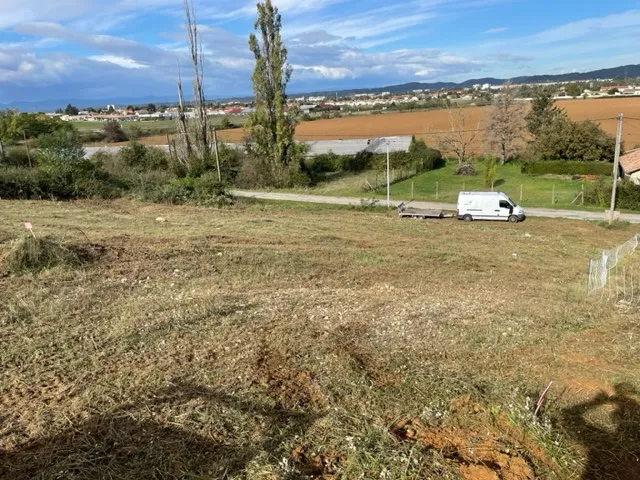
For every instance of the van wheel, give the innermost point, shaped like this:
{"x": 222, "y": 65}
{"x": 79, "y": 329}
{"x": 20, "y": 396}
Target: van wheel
{"x": 513, "y": 219}
{"x": 468, "y": 218}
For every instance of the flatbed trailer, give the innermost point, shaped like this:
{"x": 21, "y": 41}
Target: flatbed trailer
{"x": 405, "y": 212}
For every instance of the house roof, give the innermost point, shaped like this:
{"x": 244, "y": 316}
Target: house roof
{"x": 630, "y": 161}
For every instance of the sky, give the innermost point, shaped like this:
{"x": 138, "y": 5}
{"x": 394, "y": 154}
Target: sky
{"x": 105, "y": 49}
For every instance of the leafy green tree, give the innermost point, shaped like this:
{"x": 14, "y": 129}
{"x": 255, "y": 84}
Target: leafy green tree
{"x": 543, "y": 111}
{"x": 59, "y": 111}
{"x": 573, "y": 90}
{"x": 111, "y": 110}
{"x": 613, "y": 91}
{"x": 151, "y": 108}
{"x": 563, "y": 139}
{"x": 71, "y": 110}
{"x": 271, "y": 129}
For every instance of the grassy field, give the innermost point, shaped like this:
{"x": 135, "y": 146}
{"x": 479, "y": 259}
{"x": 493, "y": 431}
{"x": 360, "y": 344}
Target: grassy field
{"x": 278, "y": 341}
{"x": 150, "y": 128}
{"x": 443, "y": 186}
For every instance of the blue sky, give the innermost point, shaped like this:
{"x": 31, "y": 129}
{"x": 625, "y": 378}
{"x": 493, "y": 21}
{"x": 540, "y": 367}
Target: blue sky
{"x": 102, "y": 49}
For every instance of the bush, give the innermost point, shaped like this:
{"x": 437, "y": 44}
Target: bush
{"x": 60, "y": 148}
{"x": 567, "y": 167}
{"x": 627, "y": 197}
{"x": 204, "y": 190}
{"x": 226, "y": 124}
{"x": 133, "y": 155}
{"x": 326, "y": 163}
{"x": 359, "y": 162}
{"x": 18, "y": 157}
{"x": 466, "y": 169}
{"x": 82, "y": 179}
{"x": 139, "y": 156}
{"x": 113, "y": 132}
{"x": 32, "y": 254}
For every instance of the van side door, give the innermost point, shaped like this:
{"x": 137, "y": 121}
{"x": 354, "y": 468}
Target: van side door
{"x": 505, "y": 209}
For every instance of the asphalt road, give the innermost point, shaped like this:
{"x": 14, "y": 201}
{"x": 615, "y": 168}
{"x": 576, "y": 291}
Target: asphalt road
{"x": 530, "y": 212}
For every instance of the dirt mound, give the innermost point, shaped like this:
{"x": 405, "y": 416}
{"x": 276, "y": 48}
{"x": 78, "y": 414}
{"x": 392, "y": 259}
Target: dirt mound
{"x": 317, "y": 466}
{"x": 480, "y": 455}
{"x": 291, "y": 388}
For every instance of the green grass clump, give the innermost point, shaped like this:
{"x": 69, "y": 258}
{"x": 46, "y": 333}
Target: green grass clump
{"x": 32, "y": 255}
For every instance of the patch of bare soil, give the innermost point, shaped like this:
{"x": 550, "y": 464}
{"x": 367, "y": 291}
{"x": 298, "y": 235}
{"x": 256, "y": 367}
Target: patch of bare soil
{"x": 482, "y": 447}
{"x": 289, "y": 387}
{"x": 315, "y": 465}
{"x": 480, "y": 455}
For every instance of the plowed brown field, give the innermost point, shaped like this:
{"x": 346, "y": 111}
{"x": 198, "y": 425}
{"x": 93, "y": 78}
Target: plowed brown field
{"x": 424, "y": 124}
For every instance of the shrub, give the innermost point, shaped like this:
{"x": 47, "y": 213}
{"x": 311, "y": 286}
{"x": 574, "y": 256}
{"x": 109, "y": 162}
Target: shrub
{"x": 359, "y": 162}
{"x": 82, "y": 179}
{"x": 31, "y": 254}
{"x": 156, "y": 158}
{"x": 60, "y": 148}
{"x": 326, "y": 163}
{"x": 133, "y": 155}
{"x": 226, "y": 124}
{"x": 567, "y": 167}
{"x": 627, "y": 197}
{"x": 466, "y": 169}
{"x": 204, "y": 190}
{"x": 134, "y": 132}
{"x": 113, "y": 132}
{"x": 18, "y": 157}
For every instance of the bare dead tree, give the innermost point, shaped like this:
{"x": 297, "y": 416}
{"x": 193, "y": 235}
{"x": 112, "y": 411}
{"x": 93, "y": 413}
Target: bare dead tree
{"x": 461, "y": 136}
{"x": 197, "y": 60}
{"x": 506, "y": 124}
{"x": 183, "y": 129}
{"x": 195, "y": 141}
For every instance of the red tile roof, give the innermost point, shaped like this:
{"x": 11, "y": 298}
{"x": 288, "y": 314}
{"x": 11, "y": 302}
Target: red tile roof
{"x": 630, "y": 161}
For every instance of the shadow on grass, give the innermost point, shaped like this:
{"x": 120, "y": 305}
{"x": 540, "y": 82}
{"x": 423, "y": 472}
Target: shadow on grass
{"x": 613, "y": 452}
{"x": 499, "y": 182}
{"x": 116, "y": 446}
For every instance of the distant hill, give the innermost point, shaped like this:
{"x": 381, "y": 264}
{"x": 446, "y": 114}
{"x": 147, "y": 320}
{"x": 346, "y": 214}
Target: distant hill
{"x": 625, "y": 71}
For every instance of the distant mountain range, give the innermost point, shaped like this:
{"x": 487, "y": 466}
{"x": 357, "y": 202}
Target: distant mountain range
{"x": 625, "y": 71}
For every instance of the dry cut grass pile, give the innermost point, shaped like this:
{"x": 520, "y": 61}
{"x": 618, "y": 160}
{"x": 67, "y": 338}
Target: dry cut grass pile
{"x": 277, "y": 341}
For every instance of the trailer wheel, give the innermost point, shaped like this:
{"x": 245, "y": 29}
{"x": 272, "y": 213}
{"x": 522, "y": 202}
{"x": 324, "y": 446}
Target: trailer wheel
{"x": 467, "y": 218}
{"x": 513, "y": 219}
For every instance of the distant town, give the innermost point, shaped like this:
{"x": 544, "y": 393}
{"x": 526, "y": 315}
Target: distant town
{"x": 323, "y": 105}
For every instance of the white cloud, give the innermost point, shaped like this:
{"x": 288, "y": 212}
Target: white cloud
{"x": 589, "y": 27}
{"x": 120, "y": 61}
{"x": 496, "y": 30}
{"x": 333, "y": 73}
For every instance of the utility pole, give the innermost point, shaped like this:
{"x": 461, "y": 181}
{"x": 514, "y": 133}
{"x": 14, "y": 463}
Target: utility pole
{"x": 388, "y": 179}
{"x": 616, "y": 167}
{"x": 215, "y": 139}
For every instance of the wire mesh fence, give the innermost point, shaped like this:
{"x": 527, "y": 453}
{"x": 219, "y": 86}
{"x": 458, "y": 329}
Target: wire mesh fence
{"x": 599, "y": 271}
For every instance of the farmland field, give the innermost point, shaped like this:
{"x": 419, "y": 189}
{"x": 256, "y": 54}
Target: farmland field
{"x": 268, "y": 341}
{"x": 423, "y": 124}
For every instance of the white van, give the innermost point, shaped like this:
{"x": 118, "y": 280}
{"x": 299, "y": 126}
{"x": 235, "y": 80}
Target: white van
{"x": 488, "y": 206}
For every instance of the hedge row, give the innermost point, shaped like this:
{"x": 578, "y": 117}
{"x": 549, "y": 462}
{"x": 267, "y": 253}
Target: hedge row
{"x": 563, "y": 167}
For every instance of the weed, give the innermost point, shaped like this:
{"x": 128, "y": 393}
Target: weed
{"x": 31, "y": 254}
